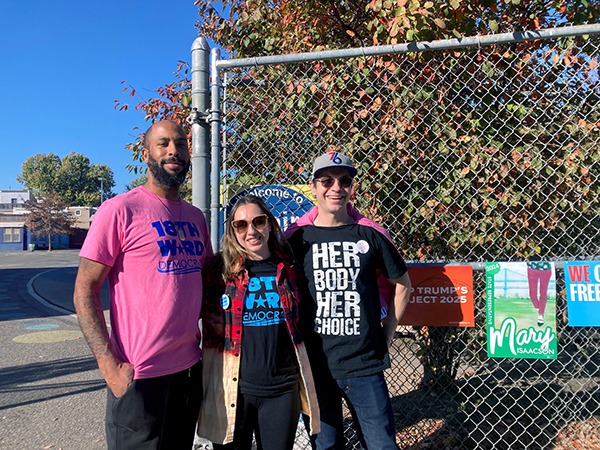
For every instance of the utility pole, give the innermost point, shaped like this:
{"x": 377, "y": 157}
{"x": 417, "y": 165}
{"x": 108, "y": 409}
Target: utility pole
{"x": 101, "y": 189}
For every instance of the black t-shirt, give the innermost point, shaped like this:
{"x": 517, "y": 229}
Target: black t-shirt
{"x": 339, "y": 265}
{"x": 268, "y": 365}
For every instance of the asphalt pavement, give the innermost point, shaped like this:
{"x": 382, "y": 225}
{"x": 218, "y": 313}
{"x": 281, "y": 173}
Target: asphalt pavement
{"x": 52, "y": 395}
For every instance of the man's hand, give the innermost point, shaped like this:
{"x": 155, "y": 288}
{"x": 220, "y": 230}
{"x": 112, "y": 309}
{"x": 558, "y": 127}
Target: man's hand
{"x": 118, "y": 376}
{"x": 396, "y": 307}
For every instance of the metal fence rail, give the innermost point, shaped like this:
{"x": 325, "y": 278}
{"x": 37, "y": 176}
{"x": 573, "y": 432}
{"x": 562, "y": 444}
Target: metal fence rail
{"x": 468, "y": 152}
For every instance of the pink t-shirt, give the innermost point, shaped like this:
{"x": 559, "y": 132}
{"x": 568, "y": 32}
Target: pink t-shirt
{"x": 156, "y": 250}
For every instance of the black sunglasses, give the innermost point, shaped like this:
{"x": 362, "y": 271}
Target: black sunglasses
{"x": 258, "y": 222}
{"x": 327, "y": 182}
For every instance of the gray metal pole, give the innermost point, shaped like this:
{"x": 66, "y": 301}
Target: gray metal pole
{"x": 215, "y": 150}
{"x": 200, "y": 127}
{"x": 444, "y": 44}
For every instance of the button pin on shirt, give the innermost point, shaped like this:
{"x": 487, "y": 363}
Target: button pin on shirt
{"x": 225, "y": 301}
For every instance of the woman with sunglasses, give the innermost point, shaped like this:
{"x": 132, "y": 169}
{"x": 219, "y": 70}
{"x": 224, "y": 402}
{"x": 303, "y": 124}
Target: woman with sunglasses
{"x": 257, "y": 377}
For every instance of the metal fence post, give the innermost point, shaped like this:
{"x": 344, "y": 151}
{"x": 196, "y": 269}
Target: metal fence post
{"x": 200, "y": 133}
{"x": 215, "y": 128}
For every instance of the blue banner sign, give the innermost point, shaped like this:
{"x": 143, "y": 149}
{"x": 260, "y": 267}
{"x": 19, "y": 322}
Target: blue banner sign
{"x": 286, "y": 204}
{"x": 582, "y": 283}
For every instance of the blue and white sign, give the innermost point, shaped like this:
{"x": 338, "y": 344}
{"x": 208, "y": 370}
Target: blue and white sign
{"x": 582, "y": 284}
{"x": 286, "y": 204}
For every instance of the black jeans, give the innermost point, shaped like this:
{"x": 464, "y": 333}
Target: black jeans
{"x": 273, "y": 420}
{"x": 156, "y": 413}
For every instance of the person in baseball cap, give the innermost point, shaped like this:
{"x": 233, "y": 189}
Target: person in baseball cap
{"x": 342, "y": 256}
{"x": 331, "y": 160}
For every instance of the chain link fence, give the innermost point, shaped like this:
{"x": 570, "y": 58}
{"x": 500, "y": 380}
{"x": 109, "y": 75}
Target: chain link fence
{"x": 469, "y": 154}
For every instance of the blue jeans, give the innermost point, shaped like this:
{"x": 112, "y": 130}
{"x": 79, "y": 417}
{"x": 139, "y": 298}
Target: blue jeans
{"x": 369, "y": 403}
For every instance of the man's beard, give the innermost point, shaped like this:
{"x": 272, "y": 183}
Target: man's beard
{"x": 162, "y": 177}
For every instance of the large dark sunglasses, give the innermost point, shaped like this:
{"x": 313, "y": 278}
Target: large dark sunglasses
{"x": 327, "y": 182}
{"x": 258, "y": 222}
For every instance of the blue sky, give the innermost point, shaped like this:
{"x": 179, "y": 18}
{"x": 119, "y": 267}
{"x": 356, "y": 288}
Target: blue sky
{"x": 61, "y": 67}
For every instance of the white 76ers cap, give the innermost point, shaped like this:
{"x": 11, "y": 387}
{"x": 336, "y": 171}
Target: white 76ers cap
{"x": 331, "y": 160}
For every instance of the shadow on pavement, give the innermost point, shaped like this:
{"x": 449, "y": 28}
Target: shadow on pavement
{"x": 24, "y": 384}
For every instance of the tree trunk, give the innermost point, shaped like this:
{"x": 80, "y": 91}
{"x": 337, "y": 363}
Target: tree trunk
{"x": 49, "y": 242}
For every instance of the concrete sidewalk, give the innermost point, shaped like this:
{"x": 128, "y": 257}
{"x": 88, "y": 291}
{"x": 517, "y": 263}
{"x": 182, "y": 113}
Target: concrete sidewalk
{"x": 39, "y": 259}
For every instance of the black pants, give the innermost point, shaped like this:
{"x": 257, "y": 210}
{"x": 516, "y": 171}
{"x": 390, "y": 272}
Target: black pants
{"x": 156, "y": 413}
{"x": 273, "y": 420}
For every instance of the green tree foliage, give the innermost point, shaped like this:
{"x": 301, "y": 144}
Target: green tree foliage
{"x": 139, "y": 181}
{"x": 39, "y": 173}
{"x": 73, "y": 179}
{"x": 49, "y": 217}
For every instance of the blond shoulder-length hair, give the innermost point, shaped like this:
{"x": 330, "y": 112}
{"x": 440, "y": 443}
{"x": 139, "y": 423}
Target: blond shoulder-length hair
{"x": 234, "y": 255}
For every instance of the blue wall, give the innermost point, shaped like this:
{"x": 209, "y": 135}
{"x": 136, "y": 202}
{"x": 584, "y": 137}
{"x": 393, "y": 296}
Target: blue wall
{"x": 22, "y": 245}
{"x": 40, "y": 242}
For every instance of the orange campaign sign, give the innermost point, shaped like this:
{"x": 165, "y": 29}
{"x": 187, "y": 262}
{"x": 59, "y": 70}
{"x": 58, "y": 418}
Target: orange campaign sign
{"x": 441, "y": 296}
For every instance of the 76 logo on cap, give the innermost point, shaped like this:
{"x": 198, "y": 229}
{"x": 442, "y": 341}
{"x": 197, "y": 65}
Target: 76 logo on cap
{"x": 335, "y": 158}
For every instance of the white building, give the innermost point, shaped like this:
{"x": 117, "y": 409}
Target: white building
{"x": 13, "y": 234}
